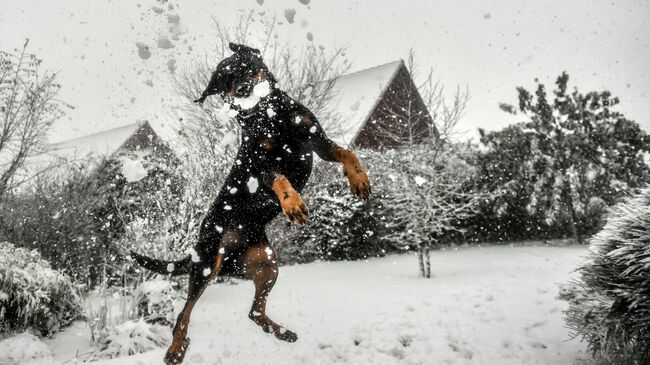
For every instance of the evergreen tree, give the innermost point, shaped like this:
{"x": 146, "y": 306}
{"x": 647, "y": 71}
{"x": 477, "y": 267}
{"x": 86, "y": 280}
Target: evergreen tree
{"x": 609, "y": 303}
{"x": 572, "y": 155}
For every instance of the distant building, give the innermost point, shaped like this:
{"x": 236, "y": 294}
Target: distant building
{"x": 135, "y": 145}
{"x": 378, "y": 108}
{"x": 135, "y": 137}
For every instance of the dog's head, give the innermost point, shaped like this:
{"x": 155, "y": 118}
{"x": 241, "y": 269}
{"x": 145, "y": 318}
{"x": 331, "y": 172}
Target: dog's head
{"x": 236, "y": 75}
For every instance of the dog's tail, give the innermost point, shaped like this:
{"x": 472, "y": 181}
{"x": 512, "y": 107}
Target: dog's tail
{"x": 172, "y": 268}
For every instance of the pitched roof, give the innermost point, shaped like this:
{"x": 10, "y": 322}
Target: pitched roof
{"x": 354, "y": 98}
{"x": 100, "y": 144}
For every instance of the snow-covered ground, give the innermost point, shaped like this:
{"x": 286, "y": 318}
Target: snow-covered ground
{"x": 492, "y": 305}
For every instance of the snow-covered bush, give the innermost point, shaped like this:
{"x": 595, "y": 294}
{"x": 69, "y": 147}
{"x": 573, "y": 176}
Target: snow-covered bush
{"x": 340, "y": 226}
{"x": 609, "y": 304}
{"x": 32, "y": 295}
{"x": 24, "y": 349}
{"x": 154, "y": 302}
{"x": 130, "y": 338}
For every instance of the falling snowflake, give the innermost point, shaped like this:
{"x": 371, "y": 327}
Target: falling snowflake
{"x": 253, "y": 184}
{"x": 194, "y": 255}
{"x": 419, "y": 180}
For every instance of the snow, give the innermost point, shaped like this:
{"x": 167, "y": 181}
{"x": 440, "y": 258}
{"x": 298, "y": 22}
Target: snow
{"x": 24, "y": 349}
{"x": 419, "y": 180}
{"x": 132, "y": 170}
{"x": 493, "y": 305}
{"x": 259, "y": 91}
{"x": 194, "y": 255}
{"x": 252, "y": 184}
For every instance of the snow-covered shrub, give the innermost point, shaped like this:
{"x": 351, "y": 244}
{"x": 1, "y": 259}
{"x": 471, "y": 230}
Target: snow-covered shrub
{"x": 24, "y": 349}
{"x": 130, "y": 338}
{"x": 32, "y": 295}
{"x": 340, "y": 225}
{"x": 154, "y": 302}
{"x": 609, "y": 304}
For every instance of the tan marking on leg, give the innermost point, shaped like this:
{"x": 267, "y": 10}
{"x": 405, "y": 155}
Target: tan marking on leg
{"x": 261, "y": 266}
{"x": 357, "y": 176}
{"x": 176, "y": 351}
{"x": 290, "y": 200}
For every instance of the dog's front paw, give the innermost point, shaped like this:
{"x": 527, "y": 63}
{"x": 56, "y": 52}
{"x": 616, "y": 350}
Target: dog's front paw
{"x": 294, "y": 207}
{"x": 359, "y": 182}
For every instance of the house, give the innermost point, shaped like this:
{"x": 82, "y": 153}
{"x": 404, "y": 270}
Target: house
{"x": 135, "y": 145}
{"x": 377, "y": 108}
{"x": 135, "y": 137}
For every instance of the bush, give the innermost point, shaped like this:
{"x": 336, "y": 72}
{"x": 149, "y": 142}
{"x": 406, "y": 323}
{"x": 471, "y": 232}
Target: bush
{"x": 609, "y": 304}
{"x": 130, "y": 338}
{"x": 32, "y": 295}
{"x": 340, "y": 226}
{"x": 154, "y": 302}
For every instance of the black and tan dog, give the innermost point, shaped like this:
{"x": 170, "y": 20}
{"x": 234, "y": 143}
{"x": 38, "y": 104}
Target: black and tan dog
{"x": 279, "y": 137}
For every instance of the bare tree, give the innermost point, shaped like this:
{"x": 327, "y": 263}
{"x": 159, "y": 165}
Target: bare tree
{"x": 307, "y": 74}
{"x": 28, "y": 107}
{"x": 428, "y": 181}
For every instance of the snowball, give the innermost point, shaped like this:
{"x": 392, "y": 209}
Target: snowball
{"x": 170, "y": 267}
{"x": 173, "y": 19}
{"x": 270, "y": 112}
{"x": 222, "y": 250}
{"x": 227, "y": 207}
{"x": 289, "y": 14}
{"x": 419, "y": 180}
{"x": 259, "y": 91}
{"x": 218, "y": 228}
{"x": 194, "y": 255}
{"x": 143, "y": 50}
{"x": 262, "y": 89}
{"x": 206, "y": 271}
{"x": 171, "y": 65}
{"x": 253, "y": 184}
{"x": 132, "y": 170}
{"x": 165, "y": 43}
{"x": 233, "y": 190}
{"x": 313, "y": 129}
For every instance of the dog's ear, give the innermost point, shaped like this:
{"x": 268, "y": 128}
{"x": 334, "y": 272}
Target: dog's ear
{"x": 240, "y": 48}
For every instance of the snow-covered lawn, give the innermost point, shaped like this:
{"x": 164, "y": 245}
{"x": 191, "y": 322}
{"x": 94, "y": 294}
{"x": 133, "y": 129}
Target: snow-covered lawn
{"x": 493, "y": 305}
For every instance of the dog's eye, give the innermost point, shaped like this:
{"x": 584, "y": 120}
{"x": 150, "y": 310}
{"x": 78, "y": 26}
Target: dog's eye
{"x": 243, "y": 90}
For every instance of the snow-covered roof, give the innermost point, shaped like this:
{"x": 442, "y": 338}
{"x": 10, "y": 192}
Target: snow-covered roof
{"x": 354, "y": 98}
{"x": 99, "y": 144}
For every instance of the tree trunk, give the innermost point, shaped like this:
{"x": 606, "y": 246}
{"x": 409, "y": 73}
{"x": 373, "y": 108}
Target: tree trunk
{"x": 421, "y": 260}
{"x": 574, "y": 219}
{"x": 427, "y": 259}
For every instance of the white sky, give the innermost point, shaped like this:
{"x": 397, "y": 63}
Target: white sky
{"x": 489, "y": 46}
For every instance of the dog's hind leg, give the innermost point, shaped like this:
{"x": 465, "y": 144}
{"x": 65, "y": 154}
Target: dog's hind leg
{"x": 200, "y": 277}
{"x": 261, "y": 265}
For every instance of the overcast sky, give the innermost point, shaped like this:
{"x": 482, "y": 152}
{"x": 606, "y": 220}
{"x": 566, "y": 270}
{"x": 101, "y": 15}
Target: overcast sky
{"x": 488, "y": 46}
